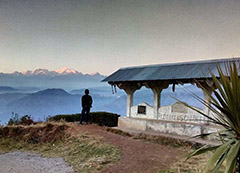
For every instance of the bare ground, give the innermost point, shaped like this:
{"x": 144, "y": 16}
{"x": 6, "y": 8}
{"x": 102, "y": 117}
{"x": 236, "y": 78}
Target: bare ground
{"x": 137, "y": 155}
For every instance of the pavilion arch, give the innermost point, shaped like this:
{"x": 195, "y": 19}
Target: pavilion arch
{"x": 143, "y": 95}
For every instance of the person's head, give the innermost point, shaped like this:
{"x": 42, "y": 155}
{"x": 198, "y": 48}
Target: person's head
{"x": 86, "y": 91}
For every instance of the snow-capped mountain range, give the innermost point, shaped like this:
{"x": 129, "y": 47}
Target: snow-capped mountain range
{"x": 62, "y": 71}
{"x": 67, "y": 71}
{"x": 65, "y": 78}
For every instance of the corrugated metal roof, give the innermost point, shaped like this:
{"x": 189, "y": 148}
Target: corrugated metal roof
{"x": 172, "y": 71}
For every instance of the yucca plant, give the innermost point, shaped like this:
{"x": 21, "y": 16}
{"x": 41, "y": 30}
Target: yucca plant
{"x": 225, "y": 107}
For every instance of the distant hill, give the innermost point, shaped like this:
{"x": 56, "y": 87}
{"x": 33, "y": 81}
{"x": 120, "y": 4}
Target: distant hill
{"x": 5, "y": 99}
{"x": 7, "y": 89}
{"x": 51, "y": 92}
{"x": 45, "y": 103}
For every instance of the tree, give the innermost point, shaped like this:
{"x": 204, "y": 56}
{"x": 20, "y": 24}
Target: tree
{"x": 225, "y": 107}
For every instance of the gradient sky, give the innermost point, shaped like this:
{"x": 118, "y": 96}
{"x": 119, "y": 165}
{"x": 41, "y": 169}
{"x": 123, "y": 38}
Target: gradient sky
{"x": 104, "y": 35}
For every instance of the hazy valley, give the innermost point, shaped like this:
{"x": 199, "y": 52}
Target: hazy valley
{"x": 42, "y": 93}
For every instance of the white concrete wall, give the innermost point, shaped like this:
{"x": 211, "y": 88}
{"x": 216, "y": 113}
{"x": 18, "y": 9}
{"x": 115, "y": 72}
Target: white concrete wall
{"x": 178, "y": 112}
{"x": 170, "y": 127}
{"x": 175, "y": 112}
{"x": 149, "y": 111}
{"x": 174, "y": 119}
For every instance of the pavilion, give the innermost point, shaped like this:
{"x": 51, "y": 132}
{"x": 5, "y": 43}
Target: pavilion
{"x": 159, "y": 77}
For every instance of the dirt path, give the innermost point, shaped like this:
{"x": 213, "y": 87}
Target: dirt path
{"x": 27, "y": 162}
{"x": 137, "y": 155}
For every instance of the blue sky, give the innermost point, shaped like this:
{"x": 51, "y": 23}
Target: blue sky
{"x": 104, "y": 35}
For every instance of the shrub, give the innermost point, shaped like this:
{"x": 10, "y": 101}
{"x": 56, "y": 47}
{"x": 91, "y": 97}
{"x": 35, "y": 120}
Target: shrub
{"x": 14, "y": 119}
{"x": 68, "y": 117}
{"x": 24, "y": 120}
{"x": 104, "y": 119}
{"x": 11, "y": 122}
{"x": 100, "y": 118}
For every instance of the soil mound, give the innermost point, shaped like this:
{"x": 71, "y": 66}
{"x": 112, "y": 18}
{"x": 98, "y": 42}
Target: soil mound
{"x": 38, "y": 133}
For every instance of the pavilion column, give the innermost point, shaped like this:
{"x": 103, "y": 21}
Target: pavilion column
{"x": 157, "y": 88}
{"x": 207, "y": 99}
{"x": 209, "y": 86}
{"x": 129, "y": 88}
{"x": 130, "y": 93}
{"x": 157, "y": 100}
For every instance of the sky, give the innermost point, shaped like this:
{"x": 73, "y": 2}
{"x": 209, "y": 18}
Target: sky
{"x": 105, "y": 35}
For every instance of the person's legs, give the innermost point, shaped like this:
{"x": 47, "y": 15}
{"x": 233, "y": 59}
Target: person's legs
{"x": 87, "y": 110}
{"x": 82, "y": 117}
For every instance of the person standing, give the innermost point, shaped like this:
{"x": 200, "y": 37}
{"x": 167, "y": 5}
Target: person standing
{"x": 86, "y": 106}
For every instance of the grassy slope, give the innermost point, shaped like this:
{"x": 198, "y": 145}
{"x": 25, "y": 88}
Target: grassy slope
{"x": 85, "y": 153}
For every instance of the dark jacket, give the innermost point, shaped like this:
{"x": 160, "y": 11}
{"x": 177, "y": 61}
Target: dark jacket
{"x": 87, "y": 101}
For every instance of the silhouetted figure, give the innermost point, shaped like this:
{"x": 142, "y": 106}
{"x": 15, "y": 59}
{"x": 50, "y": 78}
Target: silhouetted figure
{"x": 86, "y": 106}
